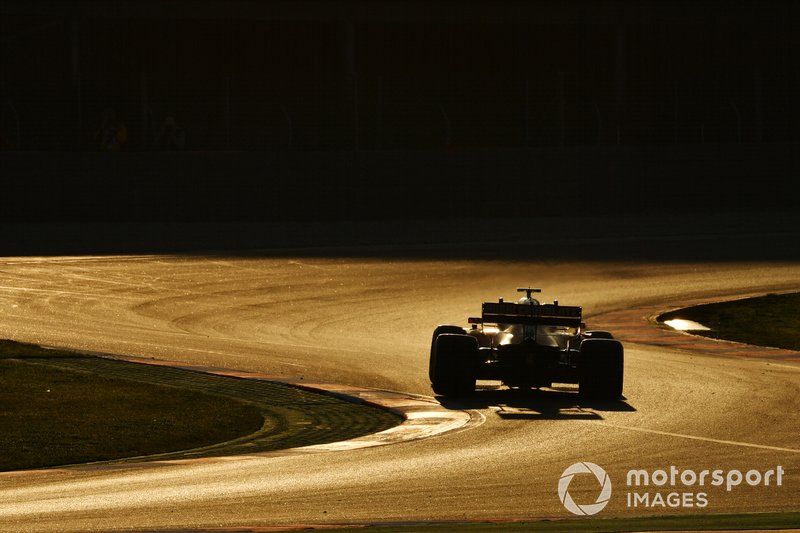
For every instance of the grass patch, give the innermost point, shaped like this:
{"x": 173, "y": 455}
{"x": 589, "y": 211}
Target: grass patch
{"x": 51, "y": 416}
{"x": 769, "y": 320}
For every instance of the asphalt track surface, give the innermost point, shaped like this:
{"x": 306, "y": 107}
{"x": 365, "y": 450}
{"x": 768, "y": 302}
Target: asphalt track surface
{"x": 363, "y": 317}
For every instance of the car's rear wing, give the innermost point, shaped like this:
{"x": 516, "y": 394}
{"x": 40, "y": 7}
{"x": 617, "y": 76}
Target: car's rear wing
{"x": 544, "y": 314}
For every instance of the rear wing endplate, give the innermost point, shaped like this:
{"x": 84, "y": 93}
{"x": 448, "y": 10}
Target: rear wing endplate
{"x": 544, "y": 314}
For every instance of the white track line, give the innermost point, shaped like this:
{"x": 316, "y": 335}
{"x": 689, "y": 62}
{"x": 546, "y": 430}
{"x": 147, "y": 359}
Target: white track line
{"x": 695, "y": 437}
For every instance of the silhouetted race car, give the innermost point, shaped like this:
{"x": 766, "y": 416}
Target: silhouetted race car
{"x": 526, "y": 344}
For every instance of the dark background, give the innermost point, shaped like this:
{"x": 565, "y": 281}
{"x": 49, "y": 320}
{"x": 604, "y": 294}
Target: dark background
{"x": 375, "y": 110}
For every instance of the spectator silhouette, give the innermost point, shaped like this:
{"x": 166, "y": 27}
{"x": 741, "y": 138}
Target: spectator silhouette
{"x": 112, "y": 134}
{"x": 171, "y": 136}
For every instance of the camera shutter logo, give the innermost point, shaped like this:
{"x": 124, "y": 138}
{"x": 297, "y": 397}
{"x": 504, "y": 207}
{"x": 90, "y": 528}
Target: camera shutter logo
{"x": 586, "y": 509}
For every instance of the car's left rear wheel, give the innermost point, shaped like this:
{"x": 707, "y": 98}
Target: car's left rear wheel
{"x": 454, "y": 364}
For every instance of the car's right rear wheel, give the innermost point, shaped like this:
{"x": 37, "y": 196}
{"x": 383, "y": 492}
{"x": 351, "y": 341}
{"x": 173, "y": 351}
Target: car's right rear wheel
{"x": 601, "y": 369}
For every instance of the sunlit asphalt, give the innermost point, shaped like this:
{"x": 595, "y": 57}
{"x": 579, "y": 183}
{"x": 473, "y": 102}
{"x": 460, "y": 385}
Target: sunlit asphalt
{"x": 367, "y": 321}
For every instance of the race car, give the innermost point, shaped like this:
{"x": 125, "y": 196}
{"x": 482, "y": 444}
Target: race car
{"x": 526, "y": 344}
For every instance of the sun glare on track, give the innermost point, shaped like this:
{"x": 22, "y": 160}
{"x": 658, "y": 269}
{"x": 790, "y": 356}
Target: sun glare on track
{"x": 685, "y": 325}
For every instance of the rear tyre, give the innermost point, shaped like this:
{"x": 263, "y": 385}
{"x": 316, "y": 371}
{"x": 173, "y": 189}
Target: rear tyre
{"x": 438, "y": 331}
{"x": 601, "y": 369}
{"x": 454, "y": 364}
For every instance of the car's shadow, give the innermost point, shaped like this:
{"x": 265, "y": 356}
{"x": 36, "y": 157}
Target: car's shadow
{"x": 536, "y": 404}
